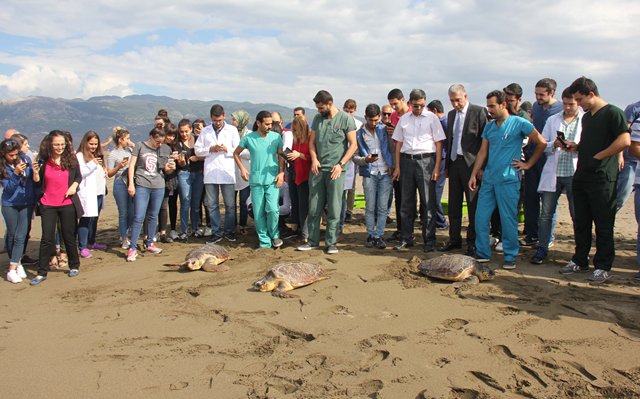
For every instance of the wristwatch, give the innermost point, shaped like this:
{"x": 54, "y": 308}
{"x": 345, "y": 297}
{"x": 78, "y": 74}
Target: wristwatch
{"x": 341, "y": 164}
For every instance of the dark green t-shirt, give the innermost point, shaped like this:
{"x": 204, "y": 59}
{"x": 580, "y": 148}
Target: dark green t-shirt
{"x": 331, "y": 138}
{"x": 598, "y": 132}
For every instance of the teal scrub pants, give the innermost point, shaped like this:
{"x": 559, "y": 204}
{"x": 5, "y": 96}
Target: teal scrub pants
{"x": 505, "y": 196}
{"x": 266, "y": 212}
{"x": 322, "y": 189}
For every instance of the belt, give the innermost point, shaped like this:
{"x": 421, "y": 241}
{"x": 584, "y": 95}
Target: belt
{"x": 418, "y": 156}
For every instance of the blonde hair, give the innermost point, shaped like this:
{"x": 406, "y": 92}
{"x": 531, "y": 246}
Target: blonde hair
{"x": 118, "y": 133}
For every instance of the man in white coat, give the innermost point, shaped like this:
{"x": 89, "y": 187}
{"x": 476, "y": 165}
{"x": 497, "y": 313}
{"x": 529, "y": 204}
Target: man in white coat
{"x": 216, "y": 144}
{"x": 557, "y": 175}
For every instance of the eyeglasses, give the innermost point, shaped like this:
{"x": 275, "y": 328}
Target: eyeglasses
{"x": 386, "y": 114}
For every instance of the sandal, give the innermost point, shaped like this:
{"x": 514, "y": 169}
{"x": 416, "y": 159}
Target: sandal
{"x": 38, "y": 279}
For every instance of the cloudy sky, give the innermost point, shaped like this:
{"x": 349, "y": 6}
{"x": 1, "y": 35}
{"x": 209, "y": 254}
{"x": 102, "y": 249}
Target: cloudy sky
{"x": 284, "y": 51}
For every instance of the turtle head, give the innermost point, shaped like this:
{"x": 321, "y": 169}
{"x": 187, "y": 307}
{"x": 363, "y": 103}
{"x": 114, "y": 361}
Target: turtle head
{"x": 486, "y": 273}
{"x": 264, "y": 285}
{"x": 193, "y": 264}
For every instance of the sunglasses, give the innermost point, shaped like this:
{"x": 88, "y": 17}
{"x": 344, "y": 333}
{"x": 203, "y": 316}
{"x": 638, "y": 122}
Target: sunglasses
{"x": 10, "y": 144}
{"x": 386, "y": 113}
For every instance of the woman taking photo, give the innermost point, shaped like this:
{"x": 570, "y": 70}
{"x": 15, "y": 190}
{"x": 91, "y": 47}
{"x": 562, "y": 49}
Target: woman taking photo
{"x": 169, "y": 207}
{"x": 302, "y": 165}
{"x": 91, "y": 191}
{"x": 117, "y": 163}
{"x": 18, "y": 199}
{"x": 146, "y": 186}
{"x": 58, "y": 175}
{"x": 187, "y": 177}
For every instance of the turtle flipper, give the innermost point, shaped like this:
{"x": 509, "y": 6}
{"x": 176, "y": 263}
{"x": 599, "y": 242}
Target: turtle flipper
{"x": 282, "y": 291}
{"x": 210, "y": 265}
{"x": 471, "y": 280}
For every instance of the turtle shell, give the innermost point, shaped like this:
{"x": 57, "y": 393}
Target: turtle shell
{"x": 449, "y": 267}
{"x": 297, "y": 274}
{"x": 211, "y": 253}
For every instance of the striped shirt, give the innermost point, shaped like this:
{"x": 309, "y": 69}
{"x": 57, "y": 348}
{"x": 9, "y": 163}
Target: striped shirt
{"x": 565, "y": 161}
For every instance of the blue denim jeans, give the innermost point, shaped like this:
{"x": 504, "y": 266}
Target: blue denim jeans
{"x": 376, "y": 194}
{"x": 16, "y": 219}
{"x": 88, "y": 227}
{"x": 184, "y": 187}
{"x": 124, "y": 202}
{"x": 636, "y": 188}
{"x": 212, "y": 202}
{"x": 147, "y": 202}
{"x": 625, "y": 181}
{"x": 196, "y": 182}
{"x": 549, "y": 205}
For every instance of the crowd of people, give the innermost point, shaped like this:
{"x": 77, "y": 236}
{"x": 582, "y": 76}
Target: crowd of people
{"x": 500, "y": 156}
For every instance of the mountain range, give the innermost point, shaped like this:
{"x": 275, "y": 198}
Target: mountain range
{"x": 36, "y": 116}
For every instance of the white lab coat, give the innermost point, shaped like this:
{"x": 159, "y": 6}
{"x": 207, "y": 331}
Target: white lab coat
{"x": 219, "y": 168}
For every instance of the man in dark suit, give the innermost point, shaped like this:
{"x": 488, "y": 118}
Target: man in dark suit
{"x": 464, "y": 136}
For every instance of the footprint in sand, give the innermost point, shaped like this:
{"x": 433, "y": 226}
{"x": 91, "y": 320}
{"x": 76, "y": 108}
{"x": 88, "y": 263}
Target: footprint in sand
{"x": 582, "y": 370}
{"x": 176, "y": 386}
{"x": 454, "y": 324}
{"x": 509, "y": 310}
{"x": 316, "y": 360}
{"x": 488, "y": 380}
{"x": 441, "y": 362}
{"x": 461, "y": 393}
{"x": 341, "y": 310}
{"x": 502, "y": 350}
{"x": 368, "y": 388}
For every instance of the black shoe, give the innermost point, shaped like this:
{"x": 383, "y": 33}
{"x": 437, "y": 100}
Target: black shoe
{"x": 370, "y": 242}
{"x": 348, "y": 218}
{"x": 403, "y": 246}
{"x": 539, "y": 257}
{"x": 27, "y": 260}
{"x": 288, "y": 233}
{"x": 450, "y": 246}
{"x": 528, "y": 242}
{"x": 166, "y": 239}
{"x": 471, "y": 251}
{"x": 396, "y": 236}
{"x": 429, "y": 247}
{"x": 231, "y": 237}
{"x": 380, "y": 244}
{"x": 389, "y": 220}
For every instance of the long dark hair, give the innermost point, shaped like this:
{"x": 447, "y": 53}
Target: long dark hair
{"x": 68, "y": 158}
{"x": 6, "y": 147}
{"x": 84, "y": 146}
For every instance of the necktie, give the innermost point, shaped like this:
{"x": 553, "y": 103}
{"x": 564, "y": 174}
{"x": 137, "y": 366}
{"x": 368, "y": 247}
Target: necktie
{"x": 457, "y": 132}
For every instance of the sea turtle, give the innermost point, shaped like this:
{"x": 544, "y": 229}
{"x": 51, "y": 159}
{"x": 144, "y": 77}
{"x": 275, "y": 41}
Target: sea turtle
{"x": 462, "y": 269}
{"x": 287, "y": 276}
{"x": 208, "y": 258}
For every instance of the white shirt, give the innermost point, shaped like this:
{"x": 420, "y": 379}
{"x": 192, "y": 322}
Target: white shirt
{"x": 460, "y": 117}
{"x": 418, "y": 134}
{"x": 219, "y": 167}
{"x": 93, "y": 184}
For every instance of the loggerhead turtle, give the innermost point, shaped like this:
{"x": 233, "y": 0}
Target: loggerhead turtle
{"x": 462, "y": 269}
{"x": 287, "y": 276}
{"x": 208, "y": 258}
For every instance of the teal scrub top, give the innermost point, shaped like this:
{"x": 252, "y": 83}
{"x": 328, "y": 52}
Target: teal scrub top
{"x": 264, "y": 156}
{"x": 505, "y": 146}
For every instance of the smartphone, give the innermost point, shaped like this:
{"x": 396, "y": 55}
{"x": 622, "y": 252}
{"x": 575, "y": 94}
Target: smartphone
{"x": 287, "y": 151}
{"x": 40, "y": 161}
{"x": 389, "y": 124}
{"x": 561, "y": 138}
{"x": 374, "y": 155}
{"x": 125, "y": 158}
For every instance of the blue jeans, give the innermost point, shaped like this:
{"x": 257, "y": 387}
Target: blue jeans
{"x": 196, "y": 182}
{"x": 124, "y": 202}
{"x": 376, "y": 194}
{"x": 548, "y": 211}
{"x": 212, "y": 202}
{"x": 147, "y": 202}
{"x": 636, "y": 188}
{"x": 625, "y": 181}
{"x": 88, "y": 227}
{"x": 184, "y": 187}
{"x": 16, "y": 218}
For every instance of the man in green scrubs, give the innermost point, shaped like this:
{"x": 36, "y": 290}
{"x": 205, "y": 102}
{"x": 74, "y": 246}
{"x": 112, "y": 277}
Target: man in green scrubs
{"x": 332, "y": 143}
{"x": 265, "y": 178}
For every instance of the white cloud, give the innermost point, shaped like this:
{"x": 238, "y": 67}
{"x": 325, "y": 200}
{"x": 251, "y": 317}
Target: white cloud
{"x": 285, "y": 51}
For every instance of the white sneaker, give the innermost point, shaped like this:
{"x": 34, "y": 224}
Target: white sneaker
{"x": 12, "y": 277}
{"x": 499, "y": 247}
{"x": 21, "y": 272}
{"x": 493, "y": 241}
{"x": 125, "y": 243}
{"x": 208, "y": 232}
{"x": 173, "y": 234}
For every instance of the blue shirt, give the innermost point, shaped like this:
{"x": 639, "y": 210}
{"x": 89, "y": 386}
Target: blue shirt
{"x": 505, "y": 146}
{"x": 19, "y": 190}
{"x": 264, "y": 156}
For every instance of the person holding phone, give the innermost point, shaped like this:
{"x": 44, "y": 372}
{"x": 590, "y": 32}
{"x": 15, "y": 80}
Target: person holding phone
{"x": 117, "y": 164}
{"x": 58, "y": 176}
{"x": 557, "y": 175}
{"x": 375, "y": 164}
{"x": 18, "y": 200}
{"x": 91, "y": 191}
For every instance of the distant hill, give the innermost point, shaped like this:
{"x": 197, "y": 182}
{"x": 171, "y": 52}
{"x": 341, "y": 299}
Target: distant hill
{"x": 36, "y": 116}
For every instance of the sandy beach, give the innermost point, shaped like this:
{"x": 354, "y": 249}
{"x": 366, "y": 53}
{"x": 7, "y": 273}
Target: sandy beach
{"x": 375, "y": 329}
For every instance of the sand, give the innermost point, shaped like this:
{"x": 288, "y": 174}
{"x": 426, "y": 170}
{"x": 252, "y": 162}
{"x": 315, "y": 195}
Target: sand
{"x": 375, "y": 329}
